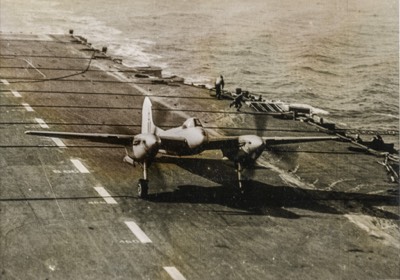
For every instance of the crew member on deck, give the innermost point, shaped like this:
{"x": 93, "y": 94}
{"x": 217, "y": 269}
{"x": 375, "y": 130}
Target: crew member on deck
{"x": 219, "y": 86}
{"x": 238, "y": 99}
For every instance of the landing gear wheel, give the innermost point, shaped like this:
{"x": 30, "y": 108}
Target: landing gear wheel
{"x": 143, "y": 188}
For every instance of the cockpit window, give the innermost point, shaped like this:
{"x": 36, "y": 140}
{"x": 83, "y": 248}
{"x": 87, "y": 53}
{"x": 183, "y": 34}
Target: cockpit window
{"x": 192, "y": 122}
{"x": 197, "y": 122}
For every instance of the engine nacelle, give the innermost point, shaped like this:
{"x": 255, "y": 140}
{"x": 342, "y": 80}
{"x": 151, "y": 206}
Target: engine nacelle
{"x": 250, "y": 147}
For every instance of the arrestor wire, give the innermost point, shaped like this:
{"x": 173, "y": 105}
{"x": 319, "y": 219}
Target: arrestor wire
{"x": 61, "y": 77}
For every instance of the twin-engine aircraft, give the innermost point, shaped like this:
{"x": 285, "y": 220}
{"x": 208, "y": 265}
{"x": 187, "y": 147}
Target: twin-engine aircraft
{"x": 188, "y": 139}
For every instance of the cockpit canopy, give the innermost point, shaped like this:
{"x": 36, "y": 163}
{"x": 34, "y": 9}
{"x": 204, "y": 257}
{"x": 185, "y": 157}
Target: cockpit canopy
{"x": 192, "y": 122}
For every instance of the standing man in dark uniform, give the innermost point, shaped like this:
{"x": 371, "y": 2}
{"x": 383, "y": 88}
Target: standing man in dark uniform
{"x": 219, "y": 86}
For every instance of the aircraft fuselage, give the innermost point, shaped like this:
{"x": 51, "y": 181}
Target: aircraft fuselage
{"x": 194, "y": 138}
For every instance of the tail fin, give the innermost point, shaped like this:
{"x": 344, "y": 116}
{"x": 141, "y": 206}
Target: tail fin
{"x": 147, "y": 118}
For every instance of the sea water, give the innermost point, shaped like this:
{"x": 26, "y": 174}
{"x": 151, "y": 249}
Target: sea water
{"x": 341, "y": 56}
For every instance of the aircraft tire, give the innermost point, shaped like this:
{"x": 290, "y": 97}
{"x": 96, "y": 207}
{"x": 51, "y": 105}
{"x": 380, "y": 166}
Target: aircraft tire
{"x": 143, "y": 188}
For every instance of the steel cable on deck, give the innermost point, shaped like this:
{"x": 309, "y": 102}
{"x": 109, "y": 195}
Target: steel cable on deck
{"x": 58, "y": 78}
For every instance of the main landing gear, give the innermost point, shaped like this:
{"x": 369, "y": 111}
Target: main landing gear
{"x": 143, "y": 188}
{"x": 143, "y": 184}
{"x": 243, "y": 183}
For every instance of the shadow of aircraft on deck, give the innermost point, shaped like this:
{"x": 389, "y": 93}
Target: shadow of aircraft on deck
{"x": 264, "y": 199}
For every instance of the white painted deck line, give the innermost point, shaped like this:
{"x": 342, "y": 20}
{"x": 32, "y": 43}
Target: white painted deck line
{"x": 27, "y": 107}
{"x": 174, "y": 273}
{"x": 41, "y": 123}
{"x": 33, "y": 66}
{"x": 105, "y": 195}
{"x": 16, "y": 93}
{"x": 58, "y": 142}
{"x": 5, "y": 82}
{"x": 78, "y": 164}
{"x": 138, "y": 232}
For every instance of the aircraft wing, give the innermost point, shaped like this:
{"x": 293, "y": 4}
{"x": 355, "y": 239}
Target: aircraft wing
{"x": 233, "y": 141}
{"x": 118, "y": 139}
{"x": 171, "y": 143}
{"x": 227, "y": 142}
{"x": 289, "y": 140}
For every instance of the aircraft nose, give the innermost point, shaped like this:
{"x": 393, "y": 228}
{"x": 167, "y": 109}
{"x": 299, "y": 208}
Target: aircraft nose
{"x": 145, "y": 146}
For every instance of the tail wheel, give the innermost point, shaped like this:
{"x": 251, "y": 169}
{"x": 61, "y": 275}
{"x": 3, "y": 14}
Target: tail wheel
{"x": 143, "y": 188}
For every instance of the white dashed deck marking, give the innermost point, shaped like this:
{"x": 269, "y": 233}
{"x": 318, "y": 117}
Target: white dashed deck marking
{"x": 138, "y": 232}
{"x": 78, "y": 164}
{"x": 58, "y": 142}
{"x": 5, "y": 82}
{"x": 41, "y": 123}
{"x": 174, "y": 273}
{"x": 105, "y": 195}
{"x": 27, "y": 107}
{"x": 16, "y": 93}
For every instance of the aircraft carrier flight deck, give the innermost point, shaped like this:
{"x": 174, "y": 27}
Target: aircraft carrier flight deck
{"x": 69, "y": 209}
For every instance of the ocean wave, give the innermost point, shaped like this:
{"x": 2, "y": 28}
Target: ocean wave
{"x": 308, "y": 68}
{"x": 93, "y": 27}
{"x": 319, "y": 57}
{"x": 387, "y": 115}
{"x": 308, "y": 93}
{"x": 248, "y": 53}
{"x": 314, "y": 110}
{"x": 367, "y": 65}
{"x": 266, "y": 35}
{"x": 177, "y": 48}
{"x": 134, "y": 54}
{"x": 247, "y": 72}
{"x": 380, "y": 89}
{"x": 283, "y": 83}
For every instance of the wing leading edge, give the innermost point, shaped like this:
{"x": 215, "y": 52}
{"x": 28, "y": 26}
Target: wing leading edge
{"x": 173, "y": 143}
{"x": 117, "y": 139}
{"x": 290, "y": 140}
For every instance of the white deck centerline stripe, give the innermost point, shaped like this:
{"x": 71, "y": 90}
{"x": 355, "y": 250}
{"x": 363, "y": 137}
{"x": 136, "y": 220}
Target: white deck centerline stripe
{"x": 41, "y": 123}
{"x": 27, "y": 107}
{"x": 16, "y": 93}
{"x": 33, "y": 66}
{"x": 5, "y": 82}
{"x": 78, "y": 164}
{"x": 174, "y": 273}
{"x": 138, "y": 232}
{"x": 58, "y": 142}
{"x": 105, "y": 195}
